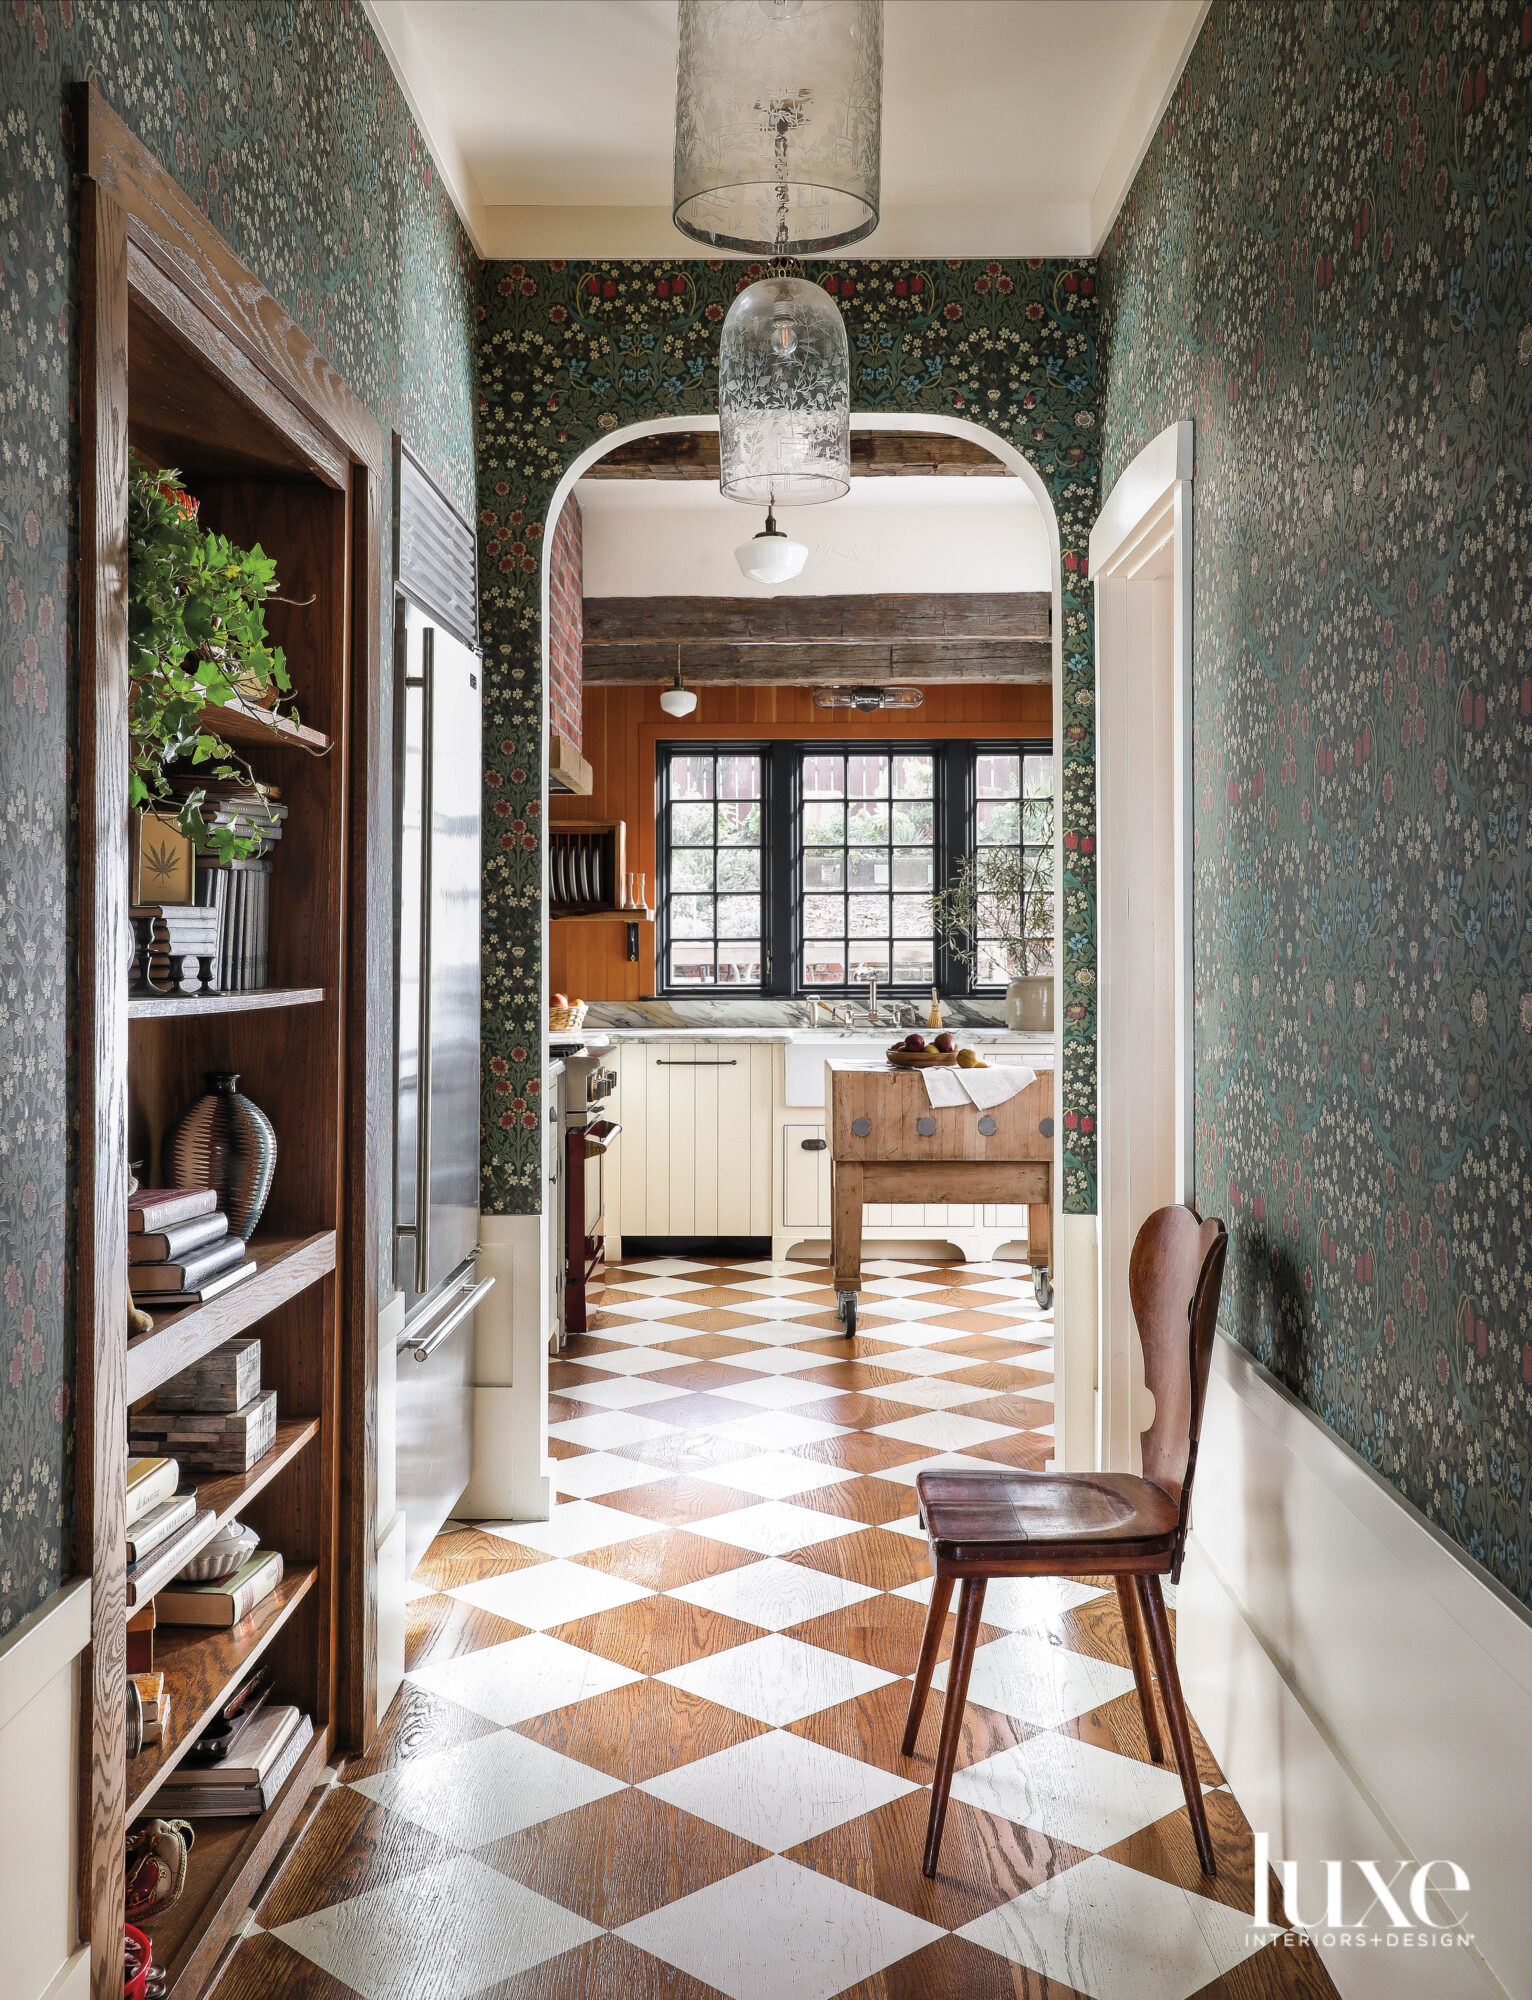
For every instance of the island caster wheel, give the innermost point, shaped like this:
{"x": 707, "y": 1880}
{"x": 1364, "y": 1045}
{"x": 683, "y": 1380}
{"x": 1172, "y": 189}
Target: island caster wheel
{"x": 1042, "y": 1286}
{"x": 845, "y": 1312}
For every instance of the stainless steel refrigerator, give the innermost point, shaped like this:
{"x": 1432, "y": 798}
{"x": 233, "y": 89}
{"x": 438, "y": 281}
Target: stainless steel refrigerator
{"x": 436, "y": 1234}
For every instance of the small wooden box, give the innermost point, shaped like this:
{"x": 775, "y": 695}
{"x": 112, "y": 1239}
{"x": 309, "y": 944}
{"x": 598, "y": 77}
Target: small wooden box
{"x": 227, "y": 1379}
{"x": 210, "y": 1440}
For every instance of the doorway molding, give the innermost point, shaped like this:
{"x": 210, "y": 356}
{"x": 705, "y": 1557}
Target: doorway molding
{"x": 1141, "y": 565}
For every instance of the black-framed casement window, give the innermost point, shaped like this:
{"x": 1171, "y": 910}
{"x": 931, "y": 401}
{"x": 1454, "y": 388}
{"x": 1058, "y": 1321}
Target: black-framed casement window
{"x": 809, "y": 867}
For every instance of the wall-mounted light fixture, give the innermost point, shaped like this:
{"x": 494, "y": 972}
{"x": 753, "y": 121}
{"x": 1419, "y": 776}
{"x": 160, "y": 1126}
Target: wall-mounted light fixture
{"x": 867, "y": 699}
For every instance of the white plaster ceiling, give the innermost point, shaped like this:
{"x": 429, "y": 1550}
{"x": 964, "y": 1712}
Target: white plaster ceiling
{"x": 676, "y": 538}
{"x": 1010, "y": 127}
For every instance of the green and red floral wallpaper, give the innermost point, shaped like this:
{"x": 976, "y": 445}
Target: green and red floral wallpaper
{"x": 285, "y": 123}
{"x": 571, "y": 352}
{"x": 1326, "y": 262}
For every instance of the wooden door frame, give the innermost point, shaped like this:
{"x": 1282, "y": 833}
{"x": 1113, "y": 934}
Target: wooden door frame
{"x": 1143, "y": 680}
{"x": 129, "y": 204}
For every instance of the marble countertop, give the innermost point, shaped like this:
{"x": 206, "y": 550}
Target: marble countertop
{"x": 851, "y": 1039}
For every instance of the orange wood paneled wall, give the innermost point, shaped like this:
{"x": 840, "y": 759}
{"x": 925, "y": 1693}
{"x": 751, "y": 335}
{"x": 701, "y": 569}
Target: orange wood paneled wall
{"x": 622, "y": 725}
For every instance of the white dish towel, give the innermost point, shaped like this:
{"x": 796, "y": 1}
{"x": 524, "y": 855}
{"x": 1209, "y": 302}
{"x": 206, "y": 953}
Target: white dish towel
{"x": 983, "y": 1088}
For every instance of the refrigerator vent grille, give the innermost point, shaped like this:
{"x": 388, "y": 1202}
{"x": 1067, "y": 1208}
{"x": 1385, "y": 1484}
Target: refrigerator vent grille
{"x": 435, "y": 550}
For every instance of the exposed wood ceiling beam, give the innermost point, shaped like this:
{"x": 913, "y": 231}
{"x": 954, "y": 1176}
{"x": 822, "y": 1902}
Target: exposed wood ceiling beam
{"x": 874, "y": 455}
{"x": 969, "y": 636}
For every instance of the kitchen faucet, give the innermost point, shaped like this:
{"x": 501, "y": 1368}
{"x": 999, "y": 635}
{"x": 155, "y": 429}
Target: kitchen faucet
{"x": 872, "y": 1001}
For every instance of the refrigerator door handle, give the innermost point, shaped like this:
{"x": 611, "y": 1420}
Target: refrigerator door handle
{"x": 423, "y": 1349}
{"x": 423, "y": 1070}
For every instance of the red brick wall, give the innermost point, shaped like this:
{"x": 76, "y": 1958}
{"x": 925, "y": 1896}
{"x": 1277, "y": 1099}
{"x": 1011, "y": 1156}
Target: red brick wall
{"x": 566, "y": 623}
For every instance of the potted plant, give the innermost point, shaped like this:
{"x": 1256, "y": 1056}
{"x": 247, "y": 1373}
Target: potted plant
{"x": 196, "y": 640}
{"x": 999, "y": 906}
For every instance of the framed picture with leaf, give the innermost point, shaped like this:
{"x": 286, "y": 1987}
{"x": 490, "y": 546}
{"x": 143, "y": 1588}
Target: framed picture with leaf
{"x": 164, "y": 861}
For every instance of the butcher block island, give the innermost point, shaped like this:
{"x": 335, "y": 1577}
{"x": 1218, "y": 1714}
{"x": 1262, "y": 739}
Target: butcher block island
{"x": 890, "y": 1143}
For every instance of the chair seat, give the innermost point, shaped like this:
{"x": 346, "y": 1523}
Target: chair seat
{"x": 982, "y": 1518}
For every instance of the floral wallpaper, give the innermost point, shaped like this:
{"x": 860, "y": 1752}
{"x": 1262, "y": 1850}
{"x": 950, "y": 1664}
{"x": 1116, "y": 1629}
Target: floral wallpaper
{"x": 285, "y": 123}
{"x": 568, "y": 352}
{"x": 1326, "y": 262}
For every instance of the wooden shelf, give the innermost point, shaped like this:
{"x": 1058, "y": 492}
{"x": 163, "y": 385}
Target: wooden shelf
{"x": 227, "y": 1492}
{"x": 228, "y": 1862}
{"x": 200, "y": 1667}
{"x": 260, "y": 729}
{"x": 601, "y": 916}
{"x": 285, "y": 1266}
{"x": 181, "y": 1006}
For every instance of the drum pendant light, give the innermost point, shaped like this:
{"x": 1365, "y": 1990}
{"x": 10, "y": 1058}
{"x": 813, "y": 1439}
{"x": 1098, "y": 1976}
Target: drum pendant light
{"x": 778, "y": 152}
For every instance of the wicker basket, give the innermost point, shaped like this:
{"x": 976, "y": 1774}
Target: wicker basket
{"x": 564, "y": 1020}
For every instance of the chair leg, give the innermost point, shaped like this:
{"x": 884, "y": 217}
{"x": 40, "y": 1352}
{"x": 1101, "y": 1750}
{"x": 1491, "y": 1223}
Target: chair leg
{"x": 1138, "y": 1653}
{"x": 959, "y": 1667}
{"x": 930, "y": 1644}
{"x": 1152, "y": 1605}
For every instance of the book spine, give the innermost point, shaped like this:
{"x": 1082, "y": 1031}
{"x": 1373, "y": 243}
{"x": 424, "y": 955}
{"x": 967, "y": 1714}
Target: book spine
{"x": 159, "y": 1525}
{"x": 194, "y": 1271}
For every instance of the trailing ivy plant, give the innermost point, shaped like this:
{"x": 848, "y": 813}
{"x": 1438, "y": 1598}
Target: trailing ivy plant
{"x": 196, "y": 639}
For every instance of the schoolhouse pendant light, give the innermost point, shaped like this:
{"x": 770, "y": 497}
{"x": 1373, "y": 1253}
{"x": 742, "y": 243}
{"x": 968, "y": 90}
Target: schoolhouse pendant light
{"x": 778, "y": 152}
{"x": 677, "y": 700}
{"x": 771, "y": 556}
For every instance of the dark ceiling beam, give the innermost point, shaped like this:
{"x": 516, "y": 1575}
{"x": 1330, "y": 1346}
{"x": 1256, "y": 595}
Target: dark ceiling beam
{"x": 931, "y": 662}
{"x": 875, "y": 617}
{"x": 874, "y": 455}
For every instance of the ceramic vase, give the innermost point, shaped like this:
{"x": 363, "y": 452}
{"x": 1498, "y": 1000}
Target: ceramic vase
{"x": 227, "y": 1143}
{"x": 1029, "y": 1006}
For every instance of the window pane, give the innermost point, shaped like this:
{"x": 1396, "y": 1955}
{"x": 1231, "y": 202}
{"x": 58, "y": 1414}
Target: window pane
{"x": 738, "y": 867}
{"x": 739, "y": 777}
{"x": 914, "y": 963}
{"x": 867, "y": 916}
{"x": 868, "y": 961}
{"x": 691, "y": 826}
{"x": 824, "y": 869}
{"x": 691, "y": 916}
{"x": 1037, "y": 822}
{"x": 994, "y": 967}
{"x": 691, "y": 868}
{"x": 866, "y": 823}
{"x": 739, "y": 823}
{"x": 997, "y": 775}
{"x": 1040, "y": 863}
{"x": 740, "y": 964}
{"x": 914, "y": 868}
{"x": 998, "y": 822}
{"x": 867, "y": 777}
{"x": 689, "y": 967}
{"x": 824, "y": 777}
{"x": 914, "y": 777}
{"x": 691, "y": 777}
{"x": 913, "y": 823}
{"x": 823, "y": 916}
{"x": 739, "y": 916}
{"x": 1038, "y": 776}
{"x": 824, "y": 826}
{"x": 824, "y": 965}
{"x": 912, "y": 916}
{"x": 867, "y": 868}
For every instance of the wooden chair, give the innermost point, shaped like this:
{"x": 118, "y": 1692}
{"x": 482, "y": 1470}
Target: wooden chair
{"x": 984, "y": 1524}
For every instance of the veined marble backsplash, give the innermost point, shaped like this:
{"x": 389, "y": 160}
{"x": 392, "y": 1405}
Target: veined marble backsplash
{"x": 704, "y": 1013}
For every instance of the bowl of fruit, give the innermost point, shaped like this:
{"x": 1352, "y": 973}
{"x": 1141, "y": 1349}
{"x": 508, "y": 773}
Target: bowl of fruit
{"x": 915, "y": 1052}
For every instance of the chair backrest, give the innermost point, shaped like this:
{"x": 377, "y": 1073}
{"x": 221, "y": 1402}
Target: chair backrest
{"x": 1175, "y": 1278}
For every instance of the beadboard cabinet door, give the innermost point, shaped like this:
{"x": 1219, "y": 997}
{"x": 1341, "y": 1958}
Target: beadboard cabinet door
{"x": 695, "y": 1152}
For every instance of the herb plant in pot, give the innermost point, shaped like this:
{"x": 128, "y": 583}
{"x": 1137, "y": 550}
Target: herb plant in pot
{"x": 196, "y": 640}
{"x": 996, "y": 918}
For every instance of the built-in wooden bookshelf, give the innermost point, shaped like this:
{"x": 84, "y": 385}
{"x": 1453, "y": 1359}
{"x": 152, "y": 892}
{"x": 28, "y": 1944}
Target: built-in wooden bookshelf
{"x": 186, "y": 357}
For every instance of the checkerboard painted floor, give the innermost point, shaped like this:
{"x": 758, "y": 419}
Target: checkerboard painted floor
{"x": 651, "y": 1747}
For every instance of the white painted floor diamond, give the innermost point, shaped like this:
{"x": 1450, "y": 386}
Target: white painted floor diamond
{"x": 483, "y": 1790}
{"x": 1023, "y": 1675}
{"x": 1073, "y": 1791}
{"x": 550, "y": 1593}
{"x": 775, "y": 1528}
{"x": 575, "y": 1528}
{"x": 777, "y": 1679}
{"x": 778, "y": 1789}
{"x": 773, "y": 1594}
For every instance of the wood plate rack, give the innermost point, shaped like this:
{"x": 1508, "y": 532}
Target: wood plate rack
{"x": 186, "y": 356}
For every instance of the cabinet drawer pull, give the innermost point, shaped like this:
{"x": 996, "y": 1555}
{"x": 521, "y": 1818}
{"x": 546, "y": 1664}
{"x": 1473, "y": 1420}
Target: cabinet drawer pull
{"x": 694, "y": 1062}
{"x": 814, "y": 1145}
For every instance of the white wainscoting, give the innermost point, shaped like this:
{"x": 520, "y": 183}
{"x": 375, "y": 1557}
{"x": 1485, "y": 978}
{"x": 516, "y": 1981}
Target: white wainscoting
{"x": 39, "y": 1787}
{"x": 1366, "y": 1689}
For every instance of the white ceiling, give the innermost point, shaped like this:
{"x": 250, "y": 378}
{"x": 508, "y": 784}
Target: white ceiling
{"x": 677, "y": 537}
{"x": 1010, "y": 127}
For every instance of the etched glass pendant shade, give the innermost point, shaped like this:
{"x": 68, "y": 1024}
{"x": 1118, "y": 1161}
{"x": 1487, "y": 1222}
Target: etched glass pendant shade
{"x": 784, "y": 396}
{"x": 779, "y": 112}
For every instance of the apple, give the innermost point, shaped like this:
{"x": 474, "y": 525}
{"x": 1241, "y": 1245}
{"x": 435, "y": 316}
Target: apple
{"x": 945, "y": 1044}
{"x": 914, "y": 1043}
{"x": 558, "y": 1000}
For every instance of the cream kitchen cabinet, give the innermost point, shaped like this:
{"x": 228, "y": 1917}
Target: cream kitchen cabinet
{"x": 694, "y": 1157}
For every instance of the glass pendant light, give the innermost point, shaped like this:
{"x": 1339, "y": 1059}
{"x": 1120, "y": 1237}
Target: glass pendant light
{"x": 778, "y": 151}
{"x": 867, "y": 699}
{"x": 770, "y": 556}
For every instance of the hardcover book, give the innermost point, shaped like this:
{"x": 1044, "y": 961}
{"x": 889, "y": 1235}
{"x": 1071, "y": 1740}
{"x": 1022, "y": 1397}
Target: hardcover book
{"x": 156, "y": 1569}
{"x": 228, "y": 1599}
{"x": 152, "y": 1480}
{"x": 192, "y": 1272}
{"x": 161, "y": 1208}
{"x": 167, "y": 1245}
{"x": 209, "y": 1289}
{"x": 159, "y": 1524}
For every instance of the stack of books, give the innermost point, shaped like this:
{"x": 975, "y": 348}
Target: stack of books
{"x": 155, "y": 1697}
{"x": 165, "y": 1528}
{"x": 175, "y": 948}
{"x": 226, "y": 1599}
{"x": 247, "y": 1778}
{"x": 180, "y": 1252}
{"x": 239, "y": 891}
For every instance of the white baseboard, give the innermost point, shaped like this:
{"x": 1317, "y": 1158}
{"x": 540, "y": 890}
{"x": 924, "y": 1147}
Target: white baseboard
{"x": 1364, "y": 1687}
